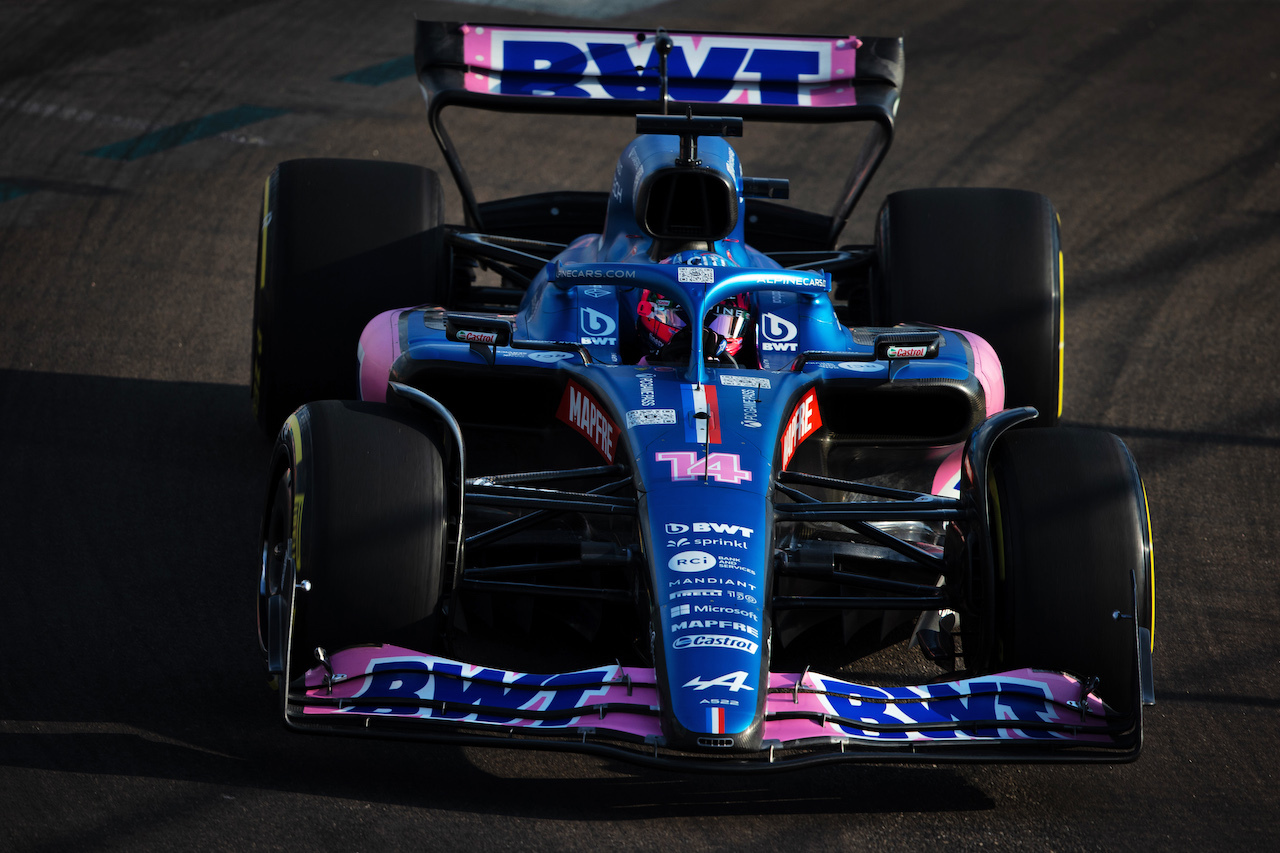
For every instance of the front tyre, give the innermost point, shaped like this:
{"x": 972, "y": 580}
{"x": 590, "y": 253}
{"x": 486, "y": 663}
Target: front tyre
{"x": 359, "y": 500}
{"x": 1072, "y": 551}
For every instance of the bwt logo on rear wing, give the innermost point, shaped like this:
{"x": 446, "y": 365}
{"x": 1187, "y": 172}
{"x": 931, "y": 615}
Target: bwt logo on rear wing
{"x": 602, "y": 64}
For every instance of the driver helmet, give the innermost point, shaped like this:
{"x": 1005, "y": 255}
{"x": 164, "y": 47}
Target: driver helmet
{"x": 661, "y": 322}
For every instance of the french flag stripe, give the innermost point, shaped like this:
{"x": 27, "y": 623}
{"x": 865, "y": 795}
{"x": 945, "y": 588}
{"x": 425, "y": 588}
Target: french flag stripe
{"x": 715, "y": 720}
{"x": 713, "y": 409}
{"x": 701, "y": 399}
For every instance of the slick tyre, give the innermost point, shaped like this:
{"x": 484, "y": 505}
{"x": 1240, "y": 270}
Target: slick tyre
{"x": 363, "y": 486}
{"x": 339, "y": 242}
{"x": 1071, "y": 543}
{"x": 987, "y": 261}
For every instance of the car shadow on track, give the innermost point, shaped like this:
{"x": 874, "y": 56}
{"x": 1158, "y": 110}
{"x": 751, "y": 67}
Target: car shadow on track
{"x": 128, "y": 525}
{"x": 262, "y": 756}
{"x": 128, "y": 530}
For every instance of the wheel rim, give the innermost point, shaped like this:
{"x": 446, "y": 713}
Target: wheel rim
{"x": 275, "y": 545}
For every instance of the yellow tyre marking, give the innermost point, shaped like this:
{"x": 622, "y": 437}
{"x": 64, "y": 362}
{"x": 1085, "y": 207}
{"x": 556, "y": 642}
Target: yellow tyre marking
{"x": 1062, "y": 331}
{"x": 297, "y": 534}
{"x": 294, "y": 429}
{"x": 266, "y": 220}
{"x": 295, "y": 435}
{"x": 1151, "y": 567}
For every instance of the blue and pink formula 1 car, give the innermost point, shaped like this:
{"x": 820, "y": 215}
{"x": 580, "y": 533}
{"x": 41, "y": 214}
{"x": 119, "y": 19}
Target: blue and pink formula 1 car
{"x": 654, "y": 472}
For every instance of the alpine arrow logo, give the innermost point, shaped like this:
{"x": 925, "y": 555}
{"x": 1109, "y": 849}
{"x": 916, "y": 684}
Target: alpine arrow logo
{"x": 734, "y": 681}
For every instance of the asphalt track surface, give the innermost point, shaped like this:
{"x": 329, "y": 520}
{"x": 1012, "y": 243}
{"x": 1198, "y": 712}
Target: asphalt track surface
{"x": 133, "y": 712}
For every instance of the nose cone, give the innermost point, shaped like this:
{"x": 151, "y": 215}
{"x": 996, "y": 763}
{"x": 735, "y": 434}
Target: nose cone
{"x": 711, "y": 561}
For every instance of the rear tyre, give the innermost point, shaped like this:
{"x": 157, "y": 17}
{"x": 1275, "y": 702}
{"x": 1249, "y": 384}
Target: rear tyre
{"x": 340, "y": 241}
{"x": 987, "y": 261}
{"x": 367, "y": 520}
{"x": 1070, "y": 540}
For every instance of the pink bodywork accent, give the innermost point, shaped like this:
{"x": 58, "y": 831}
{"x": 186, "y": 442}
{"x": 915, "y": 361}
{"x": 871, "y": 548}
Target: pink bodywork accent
{"x": 840, "y": 94}
{"x": 379, "y": 349}
{"x": 946, "y": 481}
{"x": 477, "y": 48}
{"x": 986, "y": 366}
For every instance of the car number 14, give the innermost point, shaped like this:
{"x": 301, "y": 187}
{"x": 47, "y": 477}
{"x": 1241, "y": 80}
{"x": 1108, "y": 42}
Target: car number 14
{"x": 688, "y": 465}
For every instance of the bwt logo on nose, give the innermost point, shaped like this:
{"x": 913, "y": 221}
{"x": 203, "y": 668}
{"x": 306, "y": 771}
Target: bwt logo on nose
{"x": 580, "y": 64}
{"x": 710, "y": 527}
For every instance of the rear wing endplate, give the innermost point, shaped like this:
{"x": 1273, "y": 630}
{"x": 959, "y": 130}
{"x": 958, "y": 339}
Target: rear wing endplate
{"x": 597, "y": 71}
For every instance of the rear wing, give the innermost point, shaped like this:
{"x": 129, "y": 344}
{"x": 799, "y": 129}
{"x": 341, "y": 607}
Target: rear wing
{"x": 597, "y": 71}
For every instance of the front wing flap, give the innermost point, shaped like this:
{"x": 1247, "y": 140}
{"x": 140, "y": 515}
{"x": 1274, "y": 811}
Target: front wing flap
{"x": 1025, "y": 714}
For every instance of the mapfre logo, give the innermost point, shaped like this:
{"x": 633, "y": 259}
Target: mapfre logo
{"x": 581, "y": 411}
{"x": 804, "y": 422}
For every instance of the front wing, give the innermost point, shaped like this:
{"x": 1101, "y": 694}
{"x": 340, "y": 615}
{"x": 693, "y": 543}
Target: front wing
{"x": 1021, "y": 715}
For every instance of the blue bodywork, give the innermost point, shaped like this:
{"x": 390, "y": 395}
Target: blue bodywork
{"x": 703, "y": 439}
